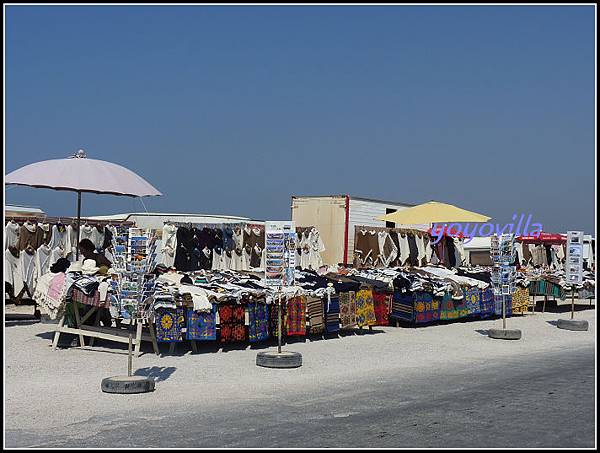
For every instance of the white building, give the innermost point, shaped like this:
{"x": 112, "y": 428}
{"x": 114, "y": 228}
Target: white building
{"x": 156, "y": 220}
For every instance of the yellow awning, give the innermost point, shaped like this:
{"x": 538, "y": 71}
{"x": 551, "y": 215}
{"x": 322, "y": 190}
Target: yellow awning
{"x": 433, "y": 212}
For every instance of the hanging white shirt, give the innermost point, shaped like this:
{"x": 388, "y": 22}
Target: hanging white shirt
{"x": 27, "y": 263}
{"x": 12, "y": 272}
{"x": 404, "y": 248}
{"x": 42, "y": 260}
{"x": 11, "y": 234}
{"x": 169, "y": 245}
{"x": 420, "y": 249}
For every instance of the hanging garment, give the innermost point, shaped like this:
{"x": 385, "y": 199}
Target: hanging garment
{"x": 362, "y": 251}
{"x": 109, "y": 234}
{"x": 169, "y": 244}
{"x": 316, "y": 316}
{"x": 11, "y": 234}
{"x": 394, "y": 237}
{"x": 365, "y": 311}
{"x": 404, "y": 249}
{"x": 525, "y": 254}
{"x": 258, "y": 315}
{"x": 459, "y": 251}
{"x": 169, "y": 323}
{"x": 296, "y": 316}
{"x": 202, "y": 325}
{"x": 413, "y": 251}
{"x": 88, "y": 232}
{"x": 73, "y": 241}
{"x": 427, "y": 309}
{"x": 28, "y": 236}
{"x": 382, "y": 308}
{"x": 347, "y": 309}
{"x": 420, "y": 249}
{"x": 13, "y": 272}
{"x": 42, "y": 261}
{"x": 316, "y": 247}
{"x": 45, "y": 233}
{"x": 332, "y": 314}
{"x": 305, "y": 250}
{"x": 60, "y": 241}
{"x": 258, "y": 244}
{"x": 387, "y": 248}
{"x": 232, "y": 319}
{"x": 27, "y": 258}
{"x": 428, "y": 249}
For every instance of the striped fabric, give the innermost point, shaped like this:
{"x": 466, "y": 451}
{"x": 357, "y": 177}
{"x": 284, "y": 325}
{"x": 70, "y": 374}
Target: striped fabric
{"x": 314, "y": 307}
{"x": 402, "y": 306}
{"x": 93, "y": 299}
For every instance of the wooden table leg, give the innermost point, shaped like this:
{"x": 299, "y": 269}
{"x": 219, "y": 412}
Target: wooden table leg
{"x": 96, "y": 323}
{"x": 544, "y": 306}
{"x": 194, "y": 347}
{"x": 153, "y": 337}
{"x": 78, "y": 323}
{"x": 57, "y": 333}
{"x": 171, "y": 348}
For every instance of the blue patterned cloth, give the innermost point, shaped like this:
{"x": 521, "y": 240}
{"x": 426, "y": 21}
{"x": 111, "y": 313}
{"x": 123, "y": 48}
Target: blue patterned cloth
{"x": 473, "y": 301}
{"x": 169, "y": 323}
{"x": 487, "y": 303}
{"x": 201, "y": 325}
{"x": 258, "y": 314}
{"x": 332, "y": 314}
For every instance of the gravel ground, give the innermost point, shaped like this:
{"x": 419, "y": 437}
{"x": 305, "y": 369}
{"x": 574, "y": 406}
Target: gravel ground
{"x": 49, "y": 394}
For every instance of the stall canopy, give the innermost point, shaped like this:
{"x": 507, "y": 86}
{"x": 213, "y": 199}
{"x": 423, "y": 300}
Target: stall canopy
{"x": 433, "y": 212}
{"x": 80, "y": 174}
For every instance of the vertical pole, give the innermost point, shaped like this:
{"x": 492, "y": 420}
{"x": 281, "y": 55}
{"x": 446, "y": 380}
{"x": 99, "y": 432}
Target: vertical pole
{"x": 504, "y": 312}
{"x": 279, "y": 325}
{"x": 129, "y": 355}
{"x": 78, "y": 224}
{"x": 573, "y": 303}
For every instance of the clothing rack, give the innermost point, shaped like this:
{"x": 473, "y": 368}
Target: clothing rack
{"x": 412, "y": 231}
{"x": 67, "y": 220}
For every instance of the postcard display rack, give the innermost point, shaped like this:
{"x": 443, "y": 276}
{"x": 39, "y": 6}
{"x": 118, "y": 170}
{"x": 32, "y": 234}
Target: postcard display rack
{"x": 503, "y": 255}
{"x": 131, "y": 287}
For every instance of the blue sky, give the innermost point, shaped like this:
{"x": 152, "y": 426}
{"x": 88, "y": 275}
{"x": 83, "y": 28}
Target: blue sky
{"x": 231, "y": 110}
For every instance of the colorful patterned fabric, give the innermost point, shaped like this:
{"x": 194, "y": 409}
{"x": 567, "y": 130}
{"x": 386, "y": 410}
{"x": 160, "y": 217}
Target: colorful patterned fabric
{"x": 487, "y": 302}
{"x": 273, "y": 319}
{"x": 332, "y": 314}
{"x": 232, "y": 319}
{"x": 427, "y": 309}
{"x": 314, "y": 307}
{"x": 169, "y": 323}
{"x": 365, "y": 310}
{"x": 402, "y": 306}
{"x": 382, "y": 304}
{"x": 296, "y": 316}
{"x": 94, "y": 299}
{"x": 473, "y": 301}
{"x": 259, "y": 322}
{"x": 201, "y": 325}
{"x": 520, "y": 300}
{"x": 347, "y": 309}
{"x": 453, "y": 309}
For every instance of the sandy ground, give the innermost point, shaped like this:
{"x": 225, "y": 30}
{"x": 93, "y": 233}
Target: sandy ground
{"x": 58, "y": 392}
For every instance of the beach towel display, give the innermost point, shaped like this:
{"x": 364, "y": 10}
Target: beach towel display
{"x": 332, "y": 314}
{"x": 314, "y": 307}
{"x": 382, "y": 307}
{"x": 472, "y": 297}
{"x": 365, "y": 311}
{"x": 402, "y": 306}
{"x": 295, "y": 316}
{"x": 202, "y": 325}
{"x": 520, "y": 300}
{"x": 427, "y": 309}
{"x": 347, "y": 309}
{"x": 258, "y": 315}
{"x": 169, "y": 323}
{"x": 232, "y": 318}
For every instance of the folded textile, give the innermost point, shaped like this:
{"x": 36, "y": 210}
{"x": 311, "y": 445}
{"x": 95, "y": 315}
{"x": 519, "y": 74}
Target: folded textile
{"x": 427, "y": 308}
{"x": 402, "y": 306}
{"x": 51, "y": 294}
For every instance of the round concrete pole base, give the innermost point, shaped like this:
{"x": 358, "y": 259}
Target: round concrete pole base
{"x": 505, "y": 334}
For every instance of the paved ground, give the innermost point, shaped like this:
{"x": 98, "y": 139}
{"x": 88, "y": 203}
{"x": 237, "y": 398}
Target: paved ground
{"x": 445, "y": 386}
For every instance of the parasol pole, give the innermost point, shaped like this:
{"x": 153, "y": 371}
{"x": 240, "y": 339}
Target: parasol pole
{"x": 78, "y": 224}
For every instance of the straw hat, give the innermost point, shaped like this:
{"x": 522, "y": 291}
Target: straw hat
{"x": 89, "y": 267}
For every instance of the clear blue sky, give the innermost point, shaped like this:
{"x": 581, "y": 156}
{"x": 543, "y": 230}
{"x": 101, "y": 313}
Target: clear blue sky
{"x": 234, "y": 109}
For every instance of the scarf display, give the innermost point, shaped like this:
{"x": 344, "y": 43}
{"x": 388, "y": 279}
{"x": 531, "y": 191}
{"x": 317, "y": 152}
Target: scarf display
{"x": 258, "y": 315}
{"x": 314, "y": 307}
{"x": 347, "y": 309}
{"x": 365, "y": 311}
{"x": 169, "y": 323}
{"x": 295, "y": 319}
{"x": 202, "y": 325}
{"x": 232, "y": 319}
